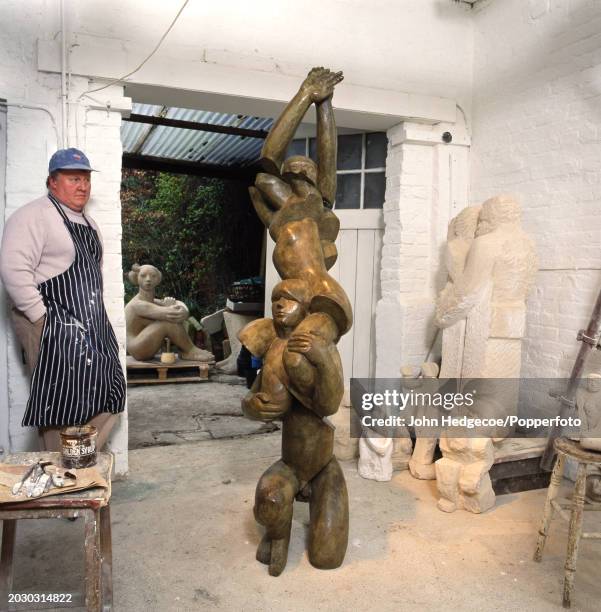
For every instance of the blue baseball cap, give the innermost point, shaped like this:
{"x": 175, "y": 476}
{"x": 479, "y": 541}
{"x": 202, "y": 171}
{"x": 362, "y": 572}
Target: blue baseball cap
{"x": 69, "y": 159}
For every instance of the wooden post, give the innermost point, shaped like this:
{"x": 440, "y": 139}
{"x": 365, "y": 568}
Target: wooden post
{"x": 9, "y": 529}
{"x": 574, "y": 533}
{"x": 548, "y": 511}
{"x": 92, "y": 554}
{"x": 106, "y": 549}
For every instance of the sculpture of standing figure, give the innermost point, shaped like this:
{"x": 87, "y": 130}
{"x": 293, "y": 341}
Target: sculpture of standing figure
{"x": 149, "y": 320}
{"x": 460, "y": 235}
{"x": 499, "y": 271}
{"x": 301, "y": 381}
{"x": 490, "y": 295}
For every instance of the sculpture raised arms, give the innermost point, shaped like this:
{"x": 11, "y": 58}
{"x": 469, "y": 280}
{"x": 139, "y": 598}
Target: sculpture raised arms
{"x": 301, "y": 381}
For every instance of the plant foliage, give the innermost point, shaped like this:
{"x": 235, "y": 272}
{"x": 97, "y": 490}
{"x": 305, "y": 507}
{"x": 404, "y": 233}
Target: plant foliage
{"x": 201, "y": 233}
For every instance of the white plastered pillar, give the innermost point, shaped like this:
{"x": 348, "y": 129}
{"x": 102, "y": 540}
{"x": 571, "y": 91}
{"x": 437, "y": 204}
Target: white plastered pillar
{"x": 102, "y": 144}
{"x": 426, "y": 185}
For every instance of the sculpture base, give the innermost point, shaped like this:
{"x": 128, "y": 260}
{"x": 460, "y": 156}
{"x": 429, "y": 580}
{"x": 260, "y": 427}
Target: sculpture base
{"x": 153, "y": 372}
{"x": 517, "y": 466}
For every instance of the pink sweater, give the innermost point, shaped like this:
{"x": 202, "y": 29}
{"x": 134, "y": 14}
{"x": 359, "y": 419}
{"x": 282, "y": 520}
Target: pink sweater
{"x": 36, "y": 246}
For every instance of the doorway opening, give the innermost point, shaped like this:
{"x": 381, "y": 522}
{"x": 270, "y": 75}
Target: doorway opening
{"x": 186, "y": 211}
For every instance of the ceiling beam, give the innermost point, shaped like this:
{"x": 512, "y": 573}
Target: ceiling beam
{"x": 182, "y": 166}
{"x": 193, "y": 125}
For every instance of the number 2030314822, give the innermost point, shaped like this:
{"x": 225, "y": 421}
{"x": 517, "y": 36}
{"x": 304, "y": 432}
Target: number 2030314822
{"x": 40, "y": 597}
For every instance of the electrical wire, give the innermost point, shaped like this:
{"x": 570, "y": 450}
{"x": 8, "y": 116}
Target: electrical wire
{"x": 467, "y": 127}
{"x": 156, "y": 48}
{"x": 41, "y": 108}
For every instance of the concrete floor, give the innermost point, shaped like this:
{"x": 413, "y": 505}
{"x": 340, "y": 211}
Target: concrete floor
{"x": 162, "y": 415}
{"x": 184, "y": 538}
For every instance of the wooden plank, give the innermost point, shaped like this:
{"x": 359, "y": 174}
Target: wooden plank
{"x": 363, "y": 302}
{"x": 134, "y": 364}
{"x": 347, "y": 267}
{"x": 361, "y": 219}
{"x": 106, "y": 549}
{"x": 92, "y": 560}
{"x": 271, "y": 276}
{"x": 195, "y": 125}
{"x": 9, "y": 528}
{"x": 185, "y": 166}
{"x": 170, "y": 379}
{"x": 150, "y": 372}
{"x": 376, "y": 294}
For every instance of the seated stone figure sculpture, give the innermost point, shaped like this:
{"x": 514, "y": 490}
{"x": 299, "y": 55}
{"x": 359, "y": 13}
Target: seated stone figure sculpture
{"x": 150, "y": 320}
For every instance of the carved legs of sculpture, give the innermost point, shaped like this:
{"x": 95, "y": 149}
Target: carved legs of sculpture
{"x": 328, "y": 508}
{"x": 146, "y": 344}
{"x": 234, "y": 322}
{"x": 274, "y": 498}
{"x": 421, "y": 464}
{"x": 462, "y": 474}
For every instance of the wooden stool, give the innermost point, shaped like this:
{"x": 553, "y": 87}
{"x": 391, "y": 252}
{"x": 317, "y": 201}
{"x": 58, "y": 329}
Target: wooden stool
{"x": 568, "y": 448}
{"x": 93, "y": 505}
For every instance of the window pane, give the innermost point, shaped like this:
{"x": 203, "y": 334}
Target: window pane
{"x": 313, "y": 149}
{"x": 349, "y": 151}
{"x": 375, "y": 154}
{"x": 348, "y": 191}
{"x": 297, "y": 147}
{"x": 375, "y": 184}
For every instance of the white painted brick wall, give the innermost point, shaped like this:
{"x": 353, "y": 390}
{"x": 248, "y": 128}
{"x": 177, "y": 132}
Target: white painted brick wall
{"x": 537, "y": 134}
{"x": 418, "y": 204}
{"x": 31, "y": 141}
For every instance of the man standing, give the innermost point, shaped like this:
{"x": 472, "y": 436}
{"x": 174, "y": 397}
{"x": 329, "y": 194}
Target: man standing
{"x": 50, "y": 263}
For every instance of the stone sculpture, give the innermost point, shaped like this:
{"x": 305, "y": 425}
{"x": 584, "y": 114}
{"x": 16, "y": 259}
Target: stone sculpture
{"x": 301, "y": 380}
{"x": 460, "y": 235}
{"x": 150, "y": 320}
{"x": 489, "y": 295}
{"x": 234, "y": 322}
{"x": 379, "y": 455}
{"x": 421, "y": 464}
{"x": 588, "y": 402}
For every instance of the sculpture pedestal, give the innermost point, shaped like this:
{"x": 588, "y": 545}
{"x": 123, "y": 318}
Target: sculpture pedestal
{"x": 153, "y": 372}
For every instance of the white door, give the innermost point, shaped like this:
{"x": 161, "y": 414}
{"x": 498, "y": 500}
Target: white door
{"x": 357, "y": 269}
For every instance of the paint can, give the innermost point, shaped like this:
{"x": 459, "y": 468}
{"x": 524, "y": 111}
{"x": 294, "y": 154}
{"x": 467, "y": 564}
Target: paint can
{"x": 78, "y": 446}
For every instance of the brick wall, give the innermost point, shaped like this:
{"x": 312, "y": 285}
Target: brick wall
{"x": 426, "y": 182}
{"x": 537, "y": 134}
{"x": 33, "y": 134}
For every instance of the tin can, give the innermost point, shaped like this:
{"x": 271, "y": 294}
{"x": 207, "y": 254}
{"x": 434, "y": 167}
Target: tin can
{"x": 78, "y": 446}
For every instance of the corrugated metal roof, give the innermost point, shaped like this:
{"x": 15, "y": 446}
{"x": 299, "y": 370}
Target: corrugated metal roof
{"x": 193, "y": 145}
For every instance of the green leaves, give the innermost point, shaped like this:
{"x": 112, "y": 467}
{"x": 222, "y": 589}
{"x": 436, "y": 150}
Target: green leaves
{"x": 201, "y": 233}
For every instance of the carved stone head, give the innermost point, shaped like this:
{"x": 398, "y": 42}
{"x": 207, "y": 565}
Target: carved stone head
{"x": 299, "y": 166}
{"x": 498, "y": 211}
{"x": 290, "y": 302}
{"x": 147, "y": 277}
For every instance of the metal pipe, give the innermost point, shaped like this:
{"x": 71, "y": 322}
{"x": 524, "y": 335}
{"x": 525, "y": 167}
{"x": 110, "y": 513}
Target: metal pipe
{"x": 64, "y": 118}
{"x": 193, "y": 125}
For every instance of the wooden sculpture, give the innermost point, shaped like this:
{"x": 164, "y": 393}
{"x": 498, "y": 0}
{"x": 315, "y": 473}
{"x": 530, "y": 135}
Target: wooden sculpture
{"x": 301, "y": 380}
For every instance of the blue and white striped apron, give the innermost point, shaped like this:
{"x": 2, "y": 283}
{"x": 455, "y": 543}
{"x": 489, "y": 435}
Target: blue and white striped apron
{"x": 78, "y": 374}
